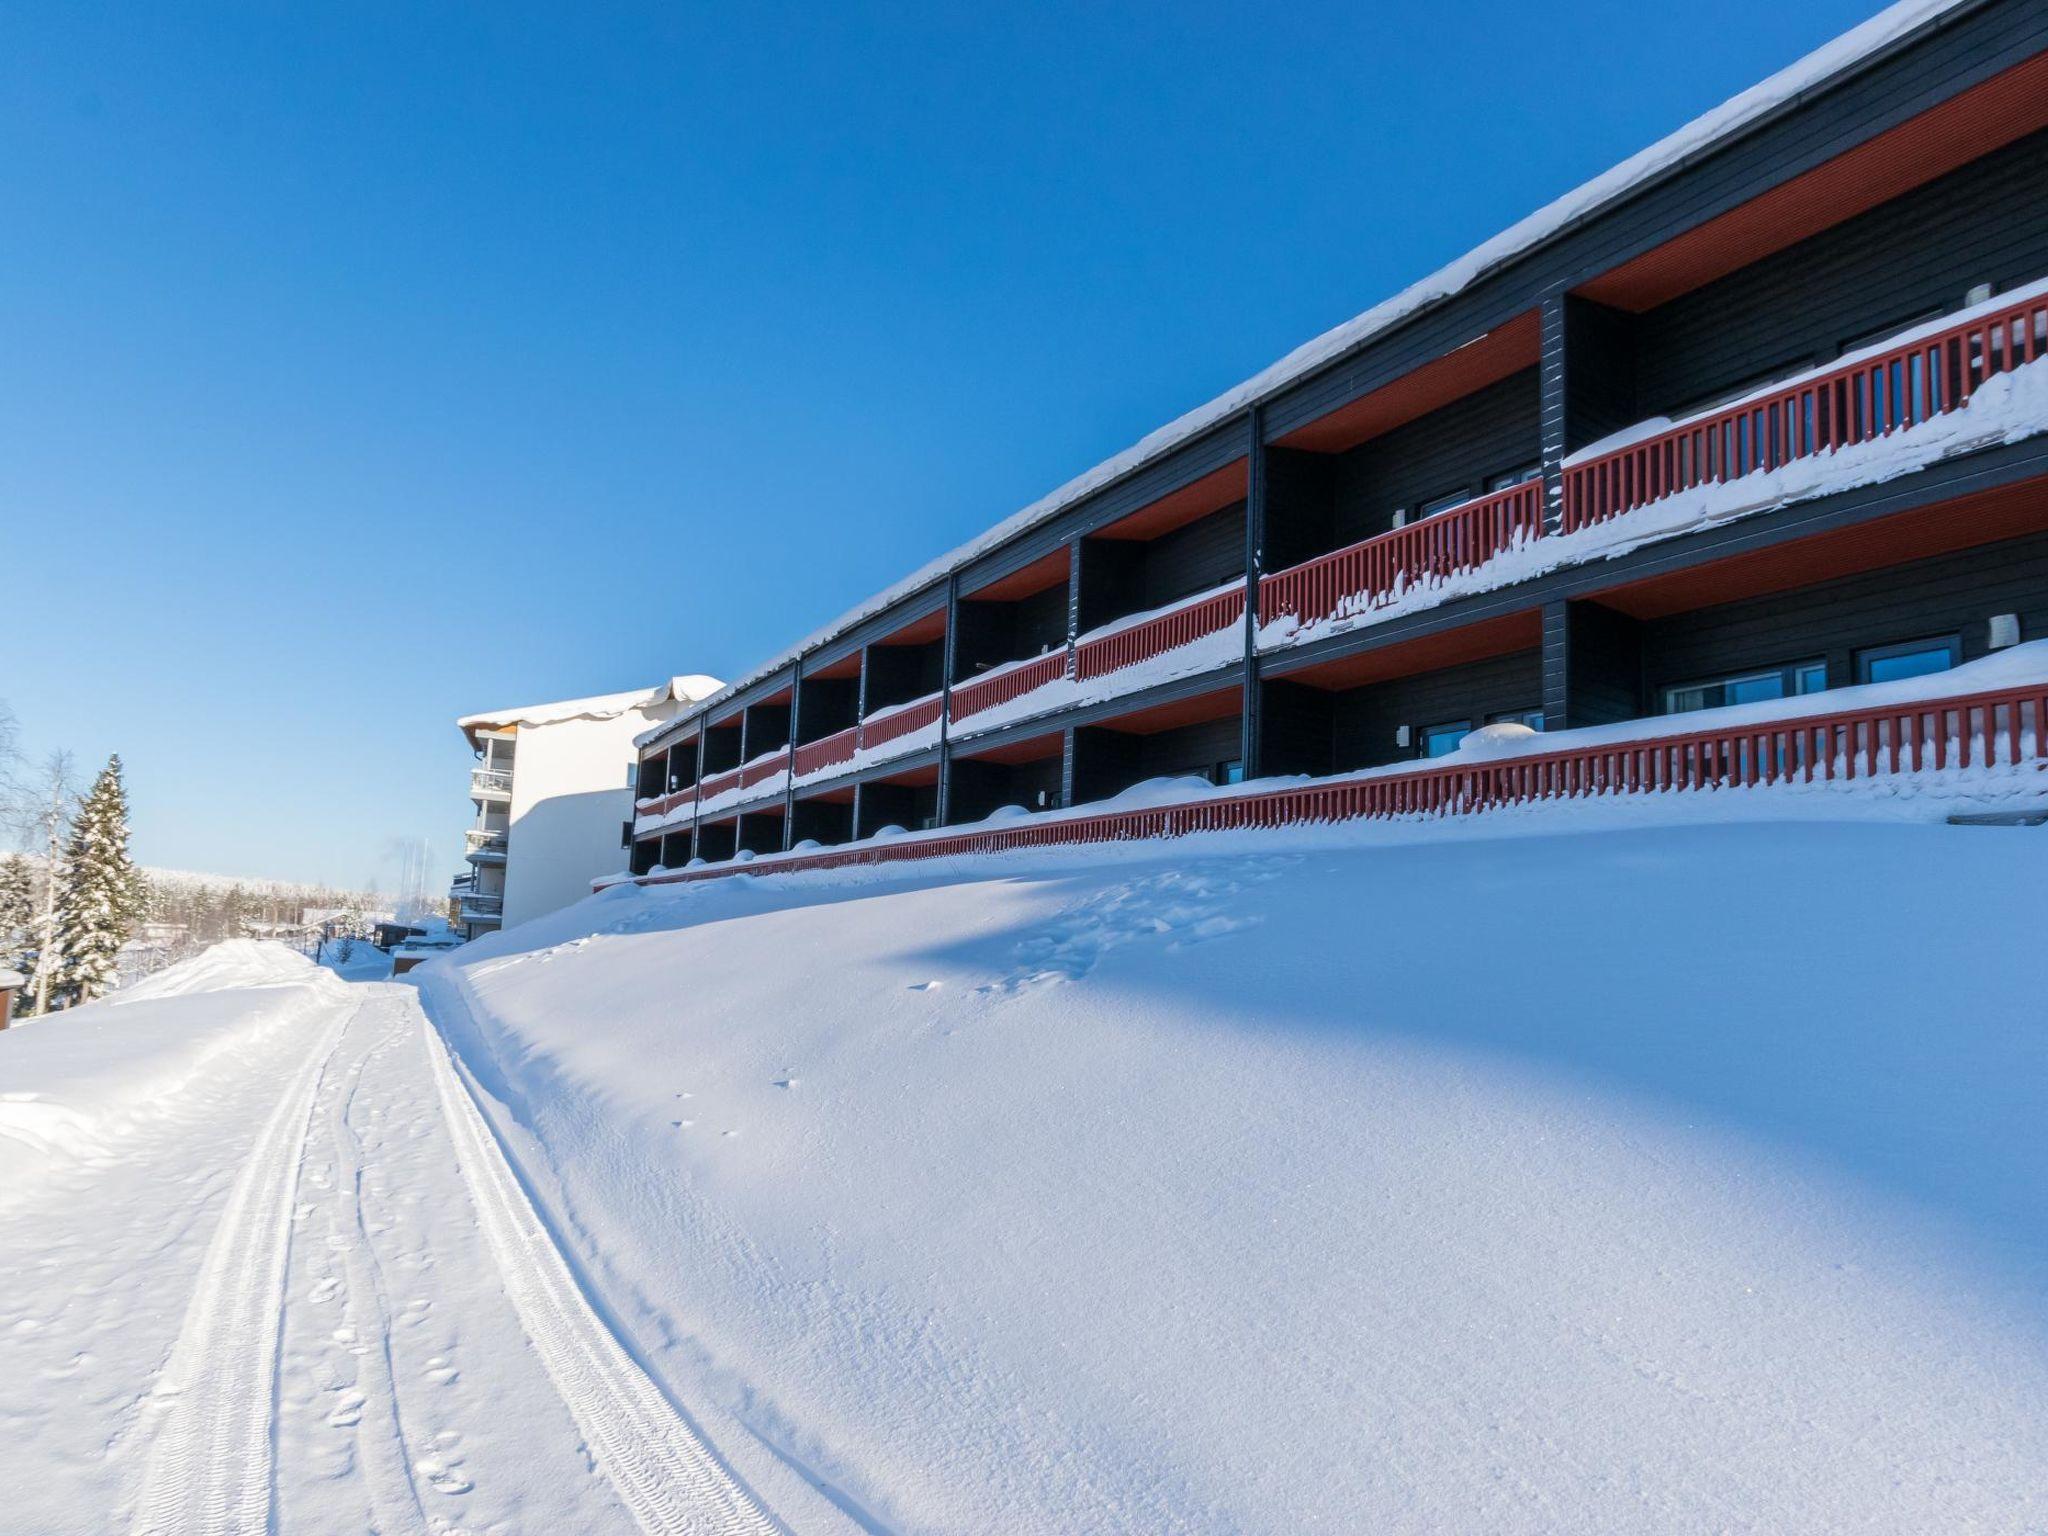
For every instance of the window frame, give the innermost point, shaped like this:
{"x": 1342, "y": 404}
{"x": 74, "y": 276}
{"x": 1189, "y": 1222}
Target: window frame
{"x": 1788, "y": 674}
{"x": 1423, "y": 733}
{"x": 1951, "y": 642}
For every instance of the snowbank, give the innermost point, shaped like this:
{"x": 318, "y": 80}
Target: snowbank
{"x": 77, "y": 1081}
{"x": 1578, "y": 1183}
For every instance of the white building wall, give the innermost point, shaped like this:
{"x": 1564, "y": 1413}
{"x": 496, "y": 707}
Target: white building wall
{"x": 569, "y": 797}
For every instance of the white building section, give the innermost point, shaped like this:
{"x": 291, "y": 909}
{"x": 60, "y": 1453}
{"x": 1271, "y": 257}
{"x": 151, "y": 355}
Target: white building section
{"x": 551, "y": 795}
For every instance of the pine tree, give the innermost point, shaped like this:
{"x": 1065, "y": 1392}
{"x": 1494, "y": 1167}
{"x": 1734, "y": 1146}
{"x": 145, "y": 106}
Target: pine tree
{"x": 100, "y": 896}
{"x": 17, "y": 914}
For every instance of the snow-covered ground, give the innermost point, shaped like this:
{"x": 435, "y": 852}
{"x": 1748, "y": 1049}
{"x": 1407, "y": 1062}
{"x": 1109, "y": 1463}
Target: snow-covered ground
{"x": 1615, "y": 1168}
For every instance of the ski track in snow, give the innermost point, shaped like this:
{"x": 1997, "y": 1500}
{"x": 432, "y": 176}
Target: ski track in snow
{"x": 209, "y": 1466}
{"x": 665, "y": 1475}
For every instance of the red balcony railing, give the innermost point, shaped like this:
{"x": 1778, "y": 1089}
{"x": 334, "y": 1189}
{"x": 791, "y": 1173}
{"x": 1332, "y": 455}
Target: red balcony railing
{"x": 714, "y": 784}
{"x": 827, "y": 751}
{"x": 1157, "y": 636}
{"x": 1366, "y": 575}
{"x": 879, "y": 730}
{"x": 2006, "y": 728}
{"x": 763, "y": 767}
{"x": 1011, "y": 682}
{"x": 1901, "y": 386}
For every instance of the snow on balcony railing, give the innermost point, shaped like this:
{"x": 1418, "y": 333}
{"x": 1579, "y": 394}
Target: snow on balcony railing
{"x": 1131, "y": 644}
{"x": 763, "y": 768}
{"x": 1368, "y": 574}
{"x": 898, "y": 721}
{"x": 1009, "y": 682}
{"x": 491, "y": 780}
{"x": 486, "y": 840}
{"x": 1894, "y": 385}
{"x": 712, "y": 785}
{"x": 483, "y": 906}
{"x": 1992, "y": 741}
{"x": 827, "y": 752}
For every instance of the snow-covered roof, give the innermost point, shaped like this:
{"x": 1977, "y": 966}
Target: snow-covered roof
{"x": 1707, "y": 131}
{"x": 12, "y": 981}
{"x": 687, "y": 689}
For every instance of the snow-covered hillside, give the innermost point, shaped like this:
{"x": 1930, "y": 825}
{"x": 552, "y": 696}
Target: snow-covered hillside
{"x": 1640, "y": 1179}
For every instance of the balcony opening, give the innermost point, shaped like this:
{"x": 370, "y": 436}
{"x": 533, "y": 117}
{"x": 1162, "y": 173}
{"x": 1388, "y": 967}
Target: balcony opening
{"x": 1026, "y": 774}
{"x": 825, "y": 819}
{"x": 722, "y": 746}
{"x": 828, "y": 701}
{"x": 1402, "y": 703}
{"x": 682, "y": 765}
{"x": 652, "y": 777}
{"x": 717, "y": 840}
{"x": 765, "y": 727}
{"x": 1199, "y": 738}
{"x": 646, "y": 854}
{"x": 908, "y": 663}
{"x": 909, "y": 803}
{"x": 760, "y": 831}
{"x": 1731, "y": 306}
{"x": 1021, "y": 616}
{"x": 675, "y": 849}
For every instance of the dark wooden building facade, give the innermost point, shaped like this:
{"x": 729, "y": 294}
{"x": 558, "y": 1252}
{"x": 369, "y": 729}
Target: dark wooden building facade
{"x": 1712, "y": 438}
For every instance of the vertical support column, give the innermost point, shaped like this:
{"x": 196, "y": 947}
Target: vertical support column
{"x": 697, "y": 789}
{"x": 1254, "y": 562}
{"x": 1553, "y": 421}
{"x": 1074, "y": 557}
{"x": 945, "y": 787}
{"x": 1592, "y": 665}
{"x": 1066, "y": 767}
{"x": 796, "y": 701}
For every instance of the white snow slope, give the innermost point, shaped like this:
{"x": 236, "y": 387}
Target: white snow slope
{"x": 1623, "y": 1168}
{"x": 1647, "y": 1179}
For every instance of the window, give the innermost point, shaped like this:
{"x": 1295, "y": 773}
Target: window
{"x": 1231, "y": 772}
{"x": 1532, "y": 718}
{"x": 1889, "y": 329}
{"x": 1911, "y": 658}
{"x": 1800, "y": 677}
{"x": 1445, "y": 502}
{"x": 1440, "y": 739}
{"x": 1515, "y": 477}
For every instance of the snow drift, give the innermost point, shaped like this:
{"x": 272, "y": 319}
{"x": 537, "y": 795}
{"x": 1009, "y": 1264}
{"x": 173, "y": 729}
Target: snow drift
{"x": 75, "y": 1081}
{"x": 1644, "y": 1179}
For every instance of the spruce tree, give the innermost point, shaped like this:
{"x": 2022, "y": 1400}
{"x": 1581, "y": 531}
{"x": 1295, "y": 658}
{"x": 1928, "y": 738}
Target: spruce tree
{"x": 100, "y": 895}
{"x": 17, "y": 915}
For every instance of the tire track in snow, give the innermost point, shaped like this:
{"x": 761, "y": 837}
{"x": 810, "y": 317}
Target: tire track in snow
{"x": 662, "y": 1471}
{"x": 209, "y": 1469}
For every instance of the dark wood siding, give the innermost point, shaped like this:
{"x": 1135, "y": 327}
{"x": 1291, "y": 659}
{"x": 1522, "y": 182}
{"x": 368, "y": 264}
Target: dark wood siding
{"x": 1883, "y": 269}
{"x": 1952, "y": 594}
{"x": 1454, "y": 449}
{"x": 1364, "y": 720}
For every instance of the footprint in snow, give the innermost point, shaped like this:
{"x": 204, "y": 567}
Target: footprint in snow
{"x": 348, "y": 1412}
{"x": 924, "y": 986}
{"x": 442, "y": 1476}
{"x": 441, "y": 1371}
{"x": 326, "y": 1290}
{"x": 787, "y": 1082}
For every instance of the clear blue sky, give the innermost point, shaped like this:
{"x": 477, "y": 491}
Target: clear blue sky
{"x": 363, "y": 365}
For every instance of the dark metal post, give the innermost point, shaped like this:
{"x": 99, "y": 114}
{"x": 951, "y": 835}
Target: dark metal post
{"x": 1254, "y": 560}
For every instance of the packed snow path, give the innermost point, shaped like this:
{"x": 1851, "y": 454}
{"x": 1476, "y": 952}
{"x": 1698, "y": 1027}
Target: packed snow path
{"x": 346, "y": 1312}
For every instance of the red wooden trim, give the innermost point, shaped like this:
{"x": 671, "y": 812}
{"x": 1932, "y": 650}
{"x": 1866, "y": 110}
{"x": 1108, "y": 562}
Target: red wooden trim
{"x": 826, "y": 751}
{"x": 1372, "y": 572}
{"x": 1012, "y": 682}
{"x": 1900, "y": 387}
{"x": 1155, "y": 637}
{"x": 2004, "y": 727}
{"x": 901, "y": 720}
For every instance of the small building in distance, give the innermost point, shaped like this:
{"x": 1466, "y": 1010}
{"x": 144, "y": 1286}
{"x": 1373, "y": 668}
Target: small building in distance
{"x": 552, "y": 787}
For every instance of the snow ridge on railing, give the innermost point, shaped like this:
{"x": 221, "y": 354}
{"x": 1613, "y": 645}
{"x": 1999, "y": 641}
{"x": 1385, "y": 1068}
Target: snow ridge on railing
{"x": 1155, "y": 637}
{"x": 1366, "y": 574}
{"x": 2001, "y": 728}
{"x": 1877, "y": 393}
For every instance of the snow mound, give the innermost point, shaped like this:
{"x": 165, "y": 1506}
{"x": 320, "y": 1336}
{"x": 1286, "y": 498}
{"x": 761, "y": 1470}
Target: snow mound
{"x": 229, "y": 964}
{"x": 1504, "y": 739}
{"x": 1282, "y": 1189}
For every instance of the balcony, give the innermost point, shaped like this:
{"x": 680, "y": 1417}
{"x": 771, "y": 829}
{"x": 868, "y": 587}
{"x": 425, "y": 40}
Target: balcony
{"x": 1130, "y": 643}
{"x": 1006, "y": 684}
{"x": 826, "y": 752}
{"x": 1890, "y": 388}
{"x": 473, "y": 905}
{"x": 490, "y": 781}
{"x": 487, "y": 844}
{"x": 1378, "y": 572}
